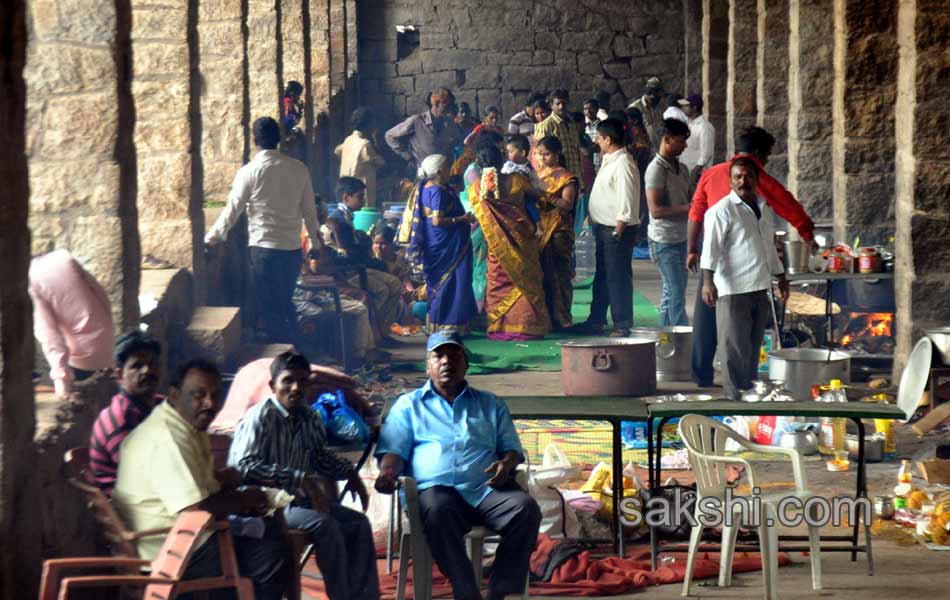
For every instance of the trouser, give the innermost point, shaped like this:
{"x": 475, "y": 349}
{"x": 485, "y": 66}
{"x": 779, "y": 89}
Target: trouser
{"x": 613, "y": 277}
{"x": 263, "y": 561}
{"x": 704, "y": 339}
{"x": 357, "y": 319}
{"x": 742, "y": 319}
{"x": 275, "y": 276}
{"x": 447, "y": 517}
{"x": 344, "y": 549}
{"x": 670, "y": 260}
{"x": 385, "y": 292}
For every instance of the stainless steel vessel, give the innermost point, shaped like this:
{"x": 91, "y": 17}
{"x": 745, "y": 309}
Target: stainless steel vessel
{"x": 608, "y": 367}
{"x": 801, "y": 368}
{"x": 797, "y": 257}
{"x": 940, "y": 336}
{"x": 674, "y": 346}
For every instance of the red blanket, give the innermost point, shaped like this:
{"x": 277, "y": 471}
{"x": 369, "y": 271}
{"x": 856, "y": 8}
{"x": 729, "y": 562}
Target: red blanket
{"x": 582, "y": 575}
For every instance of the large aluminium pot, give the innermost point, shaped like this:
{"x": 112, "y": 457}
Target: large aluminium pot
{"x": 801, "y": 368}
{"x": 608, "y": 367}
{"x": 674, "y": 346}
{"x": 940, "y": 336}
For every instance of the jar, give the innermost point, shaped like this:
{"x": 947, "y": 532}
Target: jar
{"x": 869, "y": 260}
{"x": 884, "y": 507}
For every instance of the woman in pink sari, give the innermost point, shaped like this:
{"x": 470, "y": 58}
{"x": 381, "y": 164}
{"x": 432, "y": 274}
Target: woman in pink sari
{"x": 514, "y": 295}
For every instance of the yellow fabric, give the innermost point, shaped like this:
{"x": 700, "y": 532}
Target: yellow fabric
{"x": 463, "y": 161}
{"x": 509, "y": 245}
{"x": 165, "y": 467}
{"x": 358, "y": 158}
{"x": 405, "y": 226}
{"x": 568, "y": 133}
{"x": 552, "y": 219}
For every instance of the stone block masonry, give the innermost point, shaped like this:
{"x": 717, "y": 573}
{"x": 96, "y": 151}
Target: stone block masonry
{"x": 715, "y": 68}
{"x": 497, "y": 53}
{"x": 810, "y": 90}
{"x": 865, "y": 90}
{"x": 741, "y": 98}
{"x": 772, "y": 80}
{"x": 923, "y": 172}
{"x": 80, "y": 119}
{"x": 166, "y": 87}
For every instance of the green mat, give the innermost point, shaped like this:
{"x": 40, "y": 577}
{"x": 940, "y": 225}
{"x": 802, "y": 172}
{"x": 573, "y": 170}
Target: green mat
{"x": 489, "y": 356}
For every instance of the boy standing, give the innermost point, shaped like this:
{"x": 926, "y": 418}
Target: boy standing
{"x": 738, "y": 262}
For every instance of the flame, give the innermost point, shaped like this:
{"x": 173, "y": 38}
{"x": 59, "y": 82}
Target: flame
{"x": 875, "y": 324}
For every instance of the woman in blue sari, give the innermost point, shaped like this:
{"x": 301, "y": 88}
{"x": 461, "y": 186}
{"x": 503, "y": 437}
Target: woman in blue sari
{"x": 441, "y": 242}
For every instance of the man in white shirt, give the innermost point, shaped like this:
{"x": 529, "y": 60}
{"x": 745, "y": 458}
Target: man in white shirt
{"x": 275, "y": 191}
{"x": 614, "y": 209}
{"x": 702, "y": 138}
{"x": 739, "y": 260}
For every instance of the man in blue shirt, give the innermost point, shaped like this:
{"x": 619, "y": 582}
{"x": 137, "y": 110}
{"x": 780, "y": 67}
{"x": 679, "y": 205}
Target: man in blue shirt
{"x": 461, "y": 446}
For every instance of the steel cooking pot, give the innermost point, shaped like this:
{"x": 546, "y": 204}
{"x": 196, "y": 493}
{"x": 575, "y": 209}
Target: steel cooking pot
{"x": 801, "y": 368}
{"x": 804, "y": 441}
{"x": 674, "y": 346}
{"x": 608, "y": 367}
{"x": 797, "y": 257}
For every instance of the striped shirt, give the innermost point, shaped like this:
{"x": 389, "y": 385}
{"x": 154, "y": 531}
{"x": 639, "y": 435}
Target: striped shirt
{"x": 278, "y": 448}
{"x": 114, "y": 423}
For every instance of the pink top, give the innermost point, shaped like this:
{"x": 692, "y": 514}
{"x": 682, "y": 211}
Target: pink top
{"x": 72, "y": 318}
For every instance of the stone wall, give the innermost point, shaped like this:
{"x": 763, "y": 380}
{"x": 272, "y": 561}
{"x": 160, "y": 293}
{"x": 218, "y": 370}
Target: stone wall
{"x": 865, "y": 90}
{"x": 810, "y": 81}
{"x": 496, "y": 53}
{"x": 692, "y": 47}
{"x": 715, "y": 69}
{"x": 168, "y": 131}
{"x": 19, "y": 518}
{"x": 79, "y": 126}
{"x": 741, "y": 98}
{"x": 224, "y": 118}
{"x": 772, "y": 80}
{"x": 923, "y": 171}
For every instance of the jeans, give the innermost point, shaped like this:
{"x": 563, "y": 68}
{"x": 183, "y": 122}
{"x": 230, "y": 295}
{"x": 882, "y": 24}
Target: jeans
{"x": 447, "y": 517}
{"x": 275, "y": 277}
{"x": 613, "y": 278}
{"x": 670, "y": 259}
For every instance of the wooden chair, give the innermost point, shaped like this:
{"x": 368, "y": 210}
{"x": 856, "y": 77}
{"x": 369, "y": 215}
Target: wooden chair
{"x": 164, "y": 581}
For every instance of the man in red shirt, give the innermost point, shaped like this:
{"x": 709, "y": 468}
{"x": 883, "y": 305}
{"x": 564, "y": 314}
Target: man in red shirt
{"x": 754, "y": 143}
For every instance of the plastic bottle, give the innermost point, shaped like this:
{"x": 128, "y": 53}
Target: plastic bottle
{"x": 905, "y": 475}
{"x": 833, "y": 429}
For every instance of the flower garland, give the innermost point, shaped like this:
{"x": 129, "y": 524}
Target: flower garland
{"x": 489, "y": 184}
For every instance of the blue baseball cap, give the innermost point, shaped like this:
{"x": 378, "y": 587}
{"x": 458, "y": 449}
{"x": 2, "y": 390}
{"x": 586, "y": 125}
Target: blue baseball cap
{"x": 441, "y": 338}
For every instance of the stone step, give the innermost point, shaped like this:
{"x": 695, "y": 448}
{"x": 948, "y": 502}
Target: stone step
{"x": 251, "y": 352}
{"x": 214, "y": 333}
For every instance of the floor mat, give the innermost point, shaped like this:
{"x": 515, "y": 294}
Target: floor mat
{"x": 489, "y": 356}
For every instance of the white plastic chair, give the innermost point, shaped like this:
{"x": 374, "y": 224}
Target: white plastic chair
{"x": 414, "y": 546}
{"x": 706, "y": 439}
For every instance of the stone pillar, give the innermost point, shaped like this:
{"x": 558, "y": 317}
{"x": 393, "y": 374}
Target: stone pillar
{"x": 810, "y": 83}
{"x": 693, "y": 38}
{"x": 715, "y": 61}
{"x": 741, "y": 82}
{"x": 772, "y": 80}
{"x": 19, "y": 515}
{"x": 224, "y": 126}
{"x": 923, "y": 172}
{"x": 319, "y": 74}
{"x": 82, "y": 159}
{"x": 166, "y": 85}
{"x": 262, "y": 60}
{"x": 865, "y": 89}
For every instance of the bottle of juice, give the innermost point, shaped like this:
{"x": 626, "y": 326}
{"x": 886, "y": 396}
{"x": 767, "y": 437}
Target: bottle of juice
{"x": 905, "y": 475}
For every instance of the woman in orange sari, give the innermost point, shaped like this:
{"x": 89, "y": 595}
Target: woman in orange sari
{"x": 514, "y": 295}
{"x": 557, "y": 230}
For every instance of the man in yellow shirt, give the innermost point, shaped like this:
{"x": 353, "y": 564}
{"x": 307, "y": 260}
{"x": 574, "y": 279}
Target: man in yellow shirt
{"x": 167, "y": 468}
